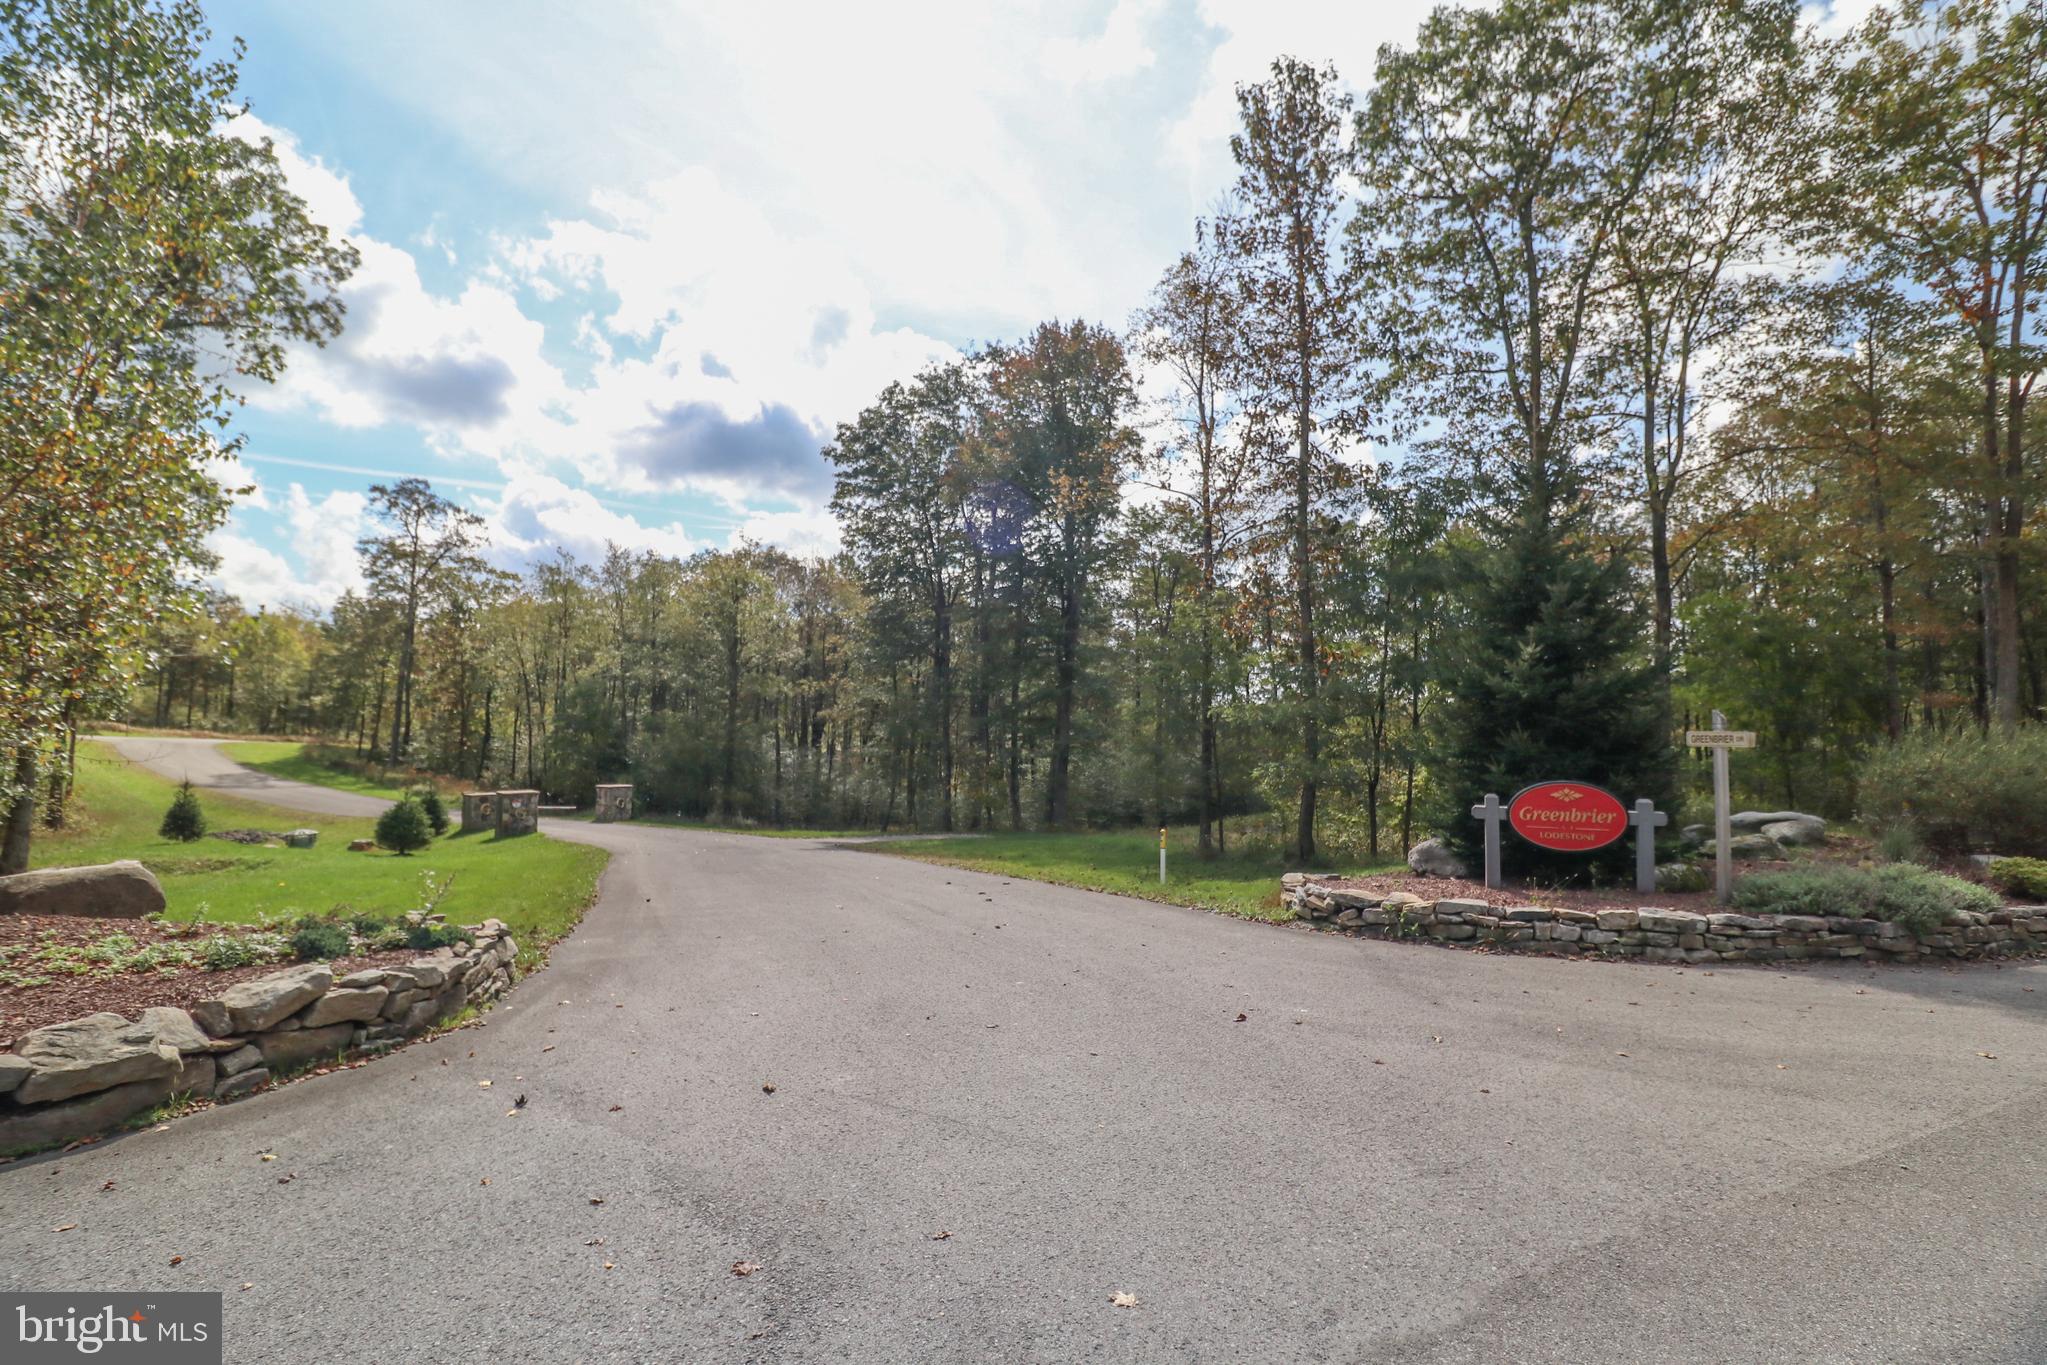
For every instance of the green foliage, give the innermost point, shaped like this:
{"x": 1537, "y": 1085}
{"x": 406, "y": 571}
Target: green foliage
{"x": 1899, "y": 842}
{"x": 316, "y": 940}
{"x": 436, "y": 812}
{"x": 404, "y": 828}
{"x": 1903, "y": 893}
{"x": 154, "y": 266}
{"x": 427, "y": 937}
{"x": 184, "y": 821}
{"x": 1548, "y": 679}
{"x": 1961, "y": 790}
{"x": 2025, "y": 878}
{"x": 225, "y": 952}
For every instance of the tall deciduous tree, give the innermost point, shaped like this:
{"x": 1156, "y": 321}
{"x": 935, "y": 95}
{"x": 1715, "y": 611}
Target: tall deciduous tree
{"x": 1504, "y": 154}
{"x": 149, "y": 257}
{"x": 1059, "y": 404}
{"x": 426, "y": 538}
{"x": 1943, "y": 154}
{"x": 1293, "y": 154}
{"x": 1191, "y": 334}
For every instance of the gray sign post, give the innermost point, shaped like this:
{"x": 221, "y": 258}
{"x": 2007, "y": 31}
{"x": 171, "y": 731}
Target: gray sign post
{"x": 1646, "y": 820}
{"x": 1491, "y": 812}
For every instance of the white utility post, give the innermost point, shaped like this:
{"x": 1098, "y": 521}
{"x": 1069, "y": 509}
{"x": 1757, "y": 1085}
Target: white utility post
{"x": 1162, "y": 855}
{"x": 1720, "y": 739}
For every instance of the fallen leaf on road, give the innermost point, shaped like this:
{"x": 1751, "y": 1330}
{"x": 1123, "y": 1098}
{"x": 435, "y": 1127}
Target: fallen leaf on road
{"x": 614, "y": 1109}
{"x": 1782, "y": 1067}
{"x": 484, "y": 1181}
{"x": 1620, "y": 1054}
{"x": 519, "y": 1103}
{"x": 939, "y": 1236}
{"x": 270, "y": 1156}
{"x": 177, "y": 1260}
{"x": 594, "y": 1242}
{"x": 108, "y": 1186}
{"x": 1240, "y": 1018}
{"x": 1988, "y": 1056}
{"x": 745, "y": 1268}
{"x": 597, "y": 1199}
{"x": 607, "y": 1265}
{"x": 767, "y": 1087}
{"x": 483, "y": 1085}
{"x": 1123, "y": 1300}
{"x": 511, "y": 1113}
{"x": 67, "y": 1227}
{"x": 548, "y": 1048}
{"x": 248, "y": 1285}
{"x": 287, "y": 1177}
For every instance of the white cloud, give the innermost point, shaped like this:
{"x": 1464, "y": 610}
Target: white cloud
{"x": 320, "y": 535}
{"x": 802, "y": 532}
{"x": 539, "y": 514}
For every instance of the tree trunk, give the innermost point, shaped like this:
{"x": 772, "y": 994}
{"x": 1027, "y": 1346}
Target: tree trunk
{"x": 21, "y": 817}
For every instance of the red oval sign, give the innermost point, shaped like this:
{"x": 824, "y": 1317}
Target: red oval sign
{"x": 1567, "y": 817}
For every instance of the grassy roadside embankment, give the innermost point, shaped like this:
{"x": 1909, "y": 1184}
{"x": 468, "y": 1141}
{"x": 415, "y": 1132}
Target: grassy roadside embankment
{"x": 300, "y": 762}
{"x": 1126, "y": 863}
{"x": 538, "y": 886}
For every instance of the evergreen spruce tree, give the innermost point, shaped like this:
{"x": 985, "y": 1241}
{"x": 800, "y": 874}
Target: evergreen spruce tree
{"x": 1550, "y": 677}
{"x": 404, "y": 828}
{"x": 435, "y": 810}
{"x": 184, "y": 821}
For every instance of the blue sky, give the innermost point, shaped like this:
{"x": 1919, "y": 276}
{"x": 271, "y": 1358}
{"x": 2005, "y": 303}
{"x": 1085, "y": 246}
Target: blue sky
{"x": 625, "y": 265}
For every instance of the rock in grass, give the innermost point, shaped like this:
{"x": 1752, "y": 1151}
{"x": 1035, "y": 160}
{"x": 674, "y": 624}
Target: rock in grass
{"x": 1433, "y": 858}
{"x": 123, "y": 890}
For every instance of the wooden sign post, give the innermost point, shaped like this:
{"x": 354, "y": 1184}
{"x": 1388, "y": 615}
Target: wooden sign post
{"x": 1720, "y": 739}
{"x": 1492, "y": 812}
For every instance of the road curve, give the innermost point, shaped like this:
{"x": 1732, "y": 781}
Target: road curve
{"x": 1400, "y": 1153}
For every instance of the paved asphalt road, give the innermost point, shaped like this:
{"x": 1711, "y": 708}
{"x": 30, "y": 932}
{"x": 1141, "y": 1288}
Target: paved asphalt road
{"x": 1403, "y": 1154}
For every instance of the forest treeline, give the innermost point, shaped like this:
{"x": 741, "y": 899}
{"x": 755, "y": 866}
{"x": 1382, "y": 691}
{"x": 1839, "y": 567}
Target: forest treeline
{"x": 1601, "y": 365}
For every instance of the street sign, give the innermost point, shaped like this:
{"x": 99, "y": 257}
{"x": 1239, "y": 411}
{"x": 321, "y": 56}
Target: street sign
{"x": 1720, "y": 739}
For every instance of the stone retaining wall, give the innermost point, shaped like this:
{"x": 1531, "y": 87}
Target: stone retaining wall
{"x": 74, "y": 1079}
{"x": 1660, "y": 935}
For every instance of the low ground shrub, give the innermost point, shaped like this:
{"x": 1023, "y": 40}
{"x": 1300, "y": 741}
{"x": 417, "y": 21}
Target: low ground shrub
{"x": 2023, "y": 877}
{"x": 1903, "y": 893}
{"x": 423, "y": 938}
{"x": 1961, "y": 790}
{"x": 316, "y": 940}
{"x": 225, "y": 952}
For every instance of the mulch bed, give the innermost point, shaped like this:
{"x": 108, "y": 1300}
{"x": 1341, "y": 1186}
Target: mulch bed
{"x": 63, "y": 997}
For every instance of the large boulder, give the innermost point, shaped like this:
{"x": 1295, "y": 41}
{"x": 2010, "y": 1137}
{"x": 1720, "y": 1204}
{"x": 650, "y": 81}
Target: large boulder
{"x": 1746, "y": 847}
{"x": 1806, "y": 829}
{"x": 1752, "y": 821}
{"x": 344, "y": 1006}
{"x": 1433, "y": 858}
{"x": 254, "y": 1006}
{"x": 97, "y": 1052}
{"x": 123, "y": 890}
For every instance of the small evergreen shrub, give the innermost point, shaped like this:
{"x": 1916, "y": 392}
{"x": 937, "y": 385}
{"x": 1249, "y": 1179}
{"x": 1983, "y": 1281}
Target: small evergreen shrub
{"x": 1903, "y": 893}
{"x": 1961, "y": 789}
{"x": 316, "y": 940}
{"x": 1900, "y": 843}
{"x": 404, "y": 827}
{"x": 426, "y": 937}
{"x": 184, "y": 821}
{"x": 2025, "y": 878}
{"x": 391, "y": 935}
{"x": 436, "y": 811}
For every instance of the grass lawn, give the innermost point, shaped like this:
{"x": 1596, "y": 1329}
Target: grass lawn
{"x": 290, "y": 759}
{"x": 1126, "y": 863}
{"x": 536, "y": 885}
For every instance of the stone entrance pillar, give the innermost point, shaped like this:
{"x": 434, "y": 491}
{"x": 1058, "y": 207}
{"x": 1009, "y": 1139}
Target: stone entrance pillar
{"x": 614, "y": 802}
{"x": 518, "y": 812}
{"x": 479, "y": 811}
